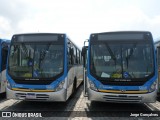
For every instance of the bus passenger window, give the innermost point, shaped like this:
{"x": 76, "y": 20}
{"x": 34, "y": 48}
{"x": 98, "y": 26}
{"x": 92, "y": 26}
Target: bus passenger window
{"x": 4, "y": 58}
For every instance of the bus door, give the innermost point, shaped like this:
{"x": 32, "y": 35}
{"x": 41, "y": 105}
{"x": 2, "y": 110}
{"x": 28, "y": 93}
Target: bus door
{"x": 85, "y": 54}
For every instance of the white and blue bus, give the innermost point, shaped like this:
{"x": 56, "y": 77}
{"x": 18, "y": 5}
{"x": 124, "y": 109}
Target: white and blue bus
{"x": 4, "y": 45}
{"x": 43, "y": 67}
{"x": 157, "y": 46}
{"x": 121, "y": 67}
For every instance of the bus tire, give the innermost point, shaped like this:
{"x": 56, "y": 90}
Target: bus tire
{"x": 74, "y": 86}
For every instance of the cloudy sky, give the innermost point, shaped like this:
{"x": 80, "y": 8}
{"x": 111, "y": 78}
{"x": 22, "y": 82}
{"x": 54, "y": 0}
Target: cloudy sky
{"x": 78, "y": 18}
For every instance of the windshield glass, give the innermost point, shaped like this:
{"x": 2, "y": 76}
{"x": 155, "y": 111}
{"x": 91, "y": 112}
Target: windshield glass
{"x": 128, "y": 60}
{"x": 35, "y": 60}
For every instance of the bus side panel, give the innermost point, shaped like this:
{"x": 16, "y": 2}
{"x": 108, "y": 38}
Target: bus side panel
{"x": 79, "y": 74}
{"x": 75, "y": 74}
{"x": 3, "y": 81}
{"x": 70, "y": 79}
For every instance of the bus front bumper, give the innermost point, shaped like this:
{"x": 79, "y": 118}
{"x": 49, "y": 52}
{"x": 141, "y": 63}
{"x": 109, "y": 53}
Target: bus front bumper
{"x": 122, "y": 98}
{"x": 37, "y": 96}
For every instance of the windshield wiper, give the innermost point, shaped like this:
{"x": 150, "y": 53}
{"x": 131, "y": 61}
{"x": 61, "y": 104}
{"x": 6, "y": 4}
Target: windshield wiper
{"x": 25, "y": 49}
{"x": 130, "y": 54}
{"x": 111, "y": 53}
{"x": 43, "y": 54}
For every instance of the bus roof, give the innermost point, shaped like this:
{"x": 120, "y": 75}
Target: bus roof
{"x": 21, "y": 34}
{"x": 122, "y": 35}
{"x": 38, "y": 33}
{"x": 121, "y": 32}
{"x": 37, "y": 37}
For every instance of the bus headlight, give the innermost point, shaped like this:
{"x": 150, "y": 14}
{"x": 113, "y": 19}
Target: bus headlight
{"x": 92, "y": 86}
{"x": 59, "y": 86}
{"x": 153, "y": 87}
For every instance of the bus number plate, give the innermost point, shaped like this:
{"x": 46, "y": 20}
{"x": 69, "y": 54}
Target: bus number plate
{"x": 30, "y": 96}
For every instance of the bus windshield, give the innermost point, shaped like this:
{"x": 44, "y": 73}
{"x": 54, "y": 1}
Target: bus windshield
{"x": 36, "y": 60}
{"x": 121, "y": 60}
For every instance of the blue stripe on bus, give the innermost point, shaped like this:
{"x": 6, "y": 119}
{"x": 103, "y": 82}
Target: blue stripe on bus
{"x": 53, "y": 84}
{"x": 99, "y": 85}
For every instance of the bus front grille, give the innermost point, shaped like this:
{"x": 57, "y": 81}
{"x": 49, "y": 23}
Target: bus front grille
{"x": 122, "y": 98}
{"x": 123, "y": 83}
{"x": 24, "y": 96}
